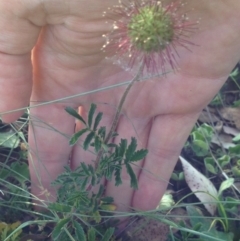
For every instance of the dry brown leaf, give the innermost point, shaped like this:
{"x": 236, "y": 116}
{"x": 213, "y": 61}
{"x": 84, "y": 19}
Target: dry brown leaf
{"x": 208, "y": 117}
{"x": 223, "y": 140}
{"x": 230, "y": 130}
{"x": 200, "y": 185}
{"x": 231, "y": 114}
{"x": 146, "y": 229}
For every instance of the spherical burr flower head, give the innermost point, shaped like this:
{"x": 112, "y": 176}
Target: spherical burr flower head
{"x": 148, "y": 32}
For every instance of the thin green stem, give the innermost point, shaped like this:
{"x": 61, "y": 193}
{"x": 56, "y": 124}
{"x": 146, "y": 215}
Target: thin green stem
{"x": 68, "y": 234}
{"x": 118, "y": 113}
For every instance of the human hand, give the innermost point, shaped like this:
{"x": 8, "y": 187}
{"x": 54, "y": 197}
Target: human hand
{"x": 67, "y": 60}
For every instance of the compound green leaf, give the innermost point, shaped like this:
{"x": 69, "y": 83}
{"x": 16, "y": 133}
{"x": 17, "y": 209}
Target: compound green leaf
{"x": 74, "y": 113}
{"x": 133, "y": 178}
{"x": 90, "y": 114}
{"x": 139, "y": 155}
{"x": 122, "y": 148}
{"x": 117, "y": 174}
{"x": 97, "y": 144}
{"x": 108, "y": 234}
{"x": 58, "y": 228}
{"x": 79, "y": 231}
{"x": 97, "y": 120}
{"x": 59, "y": 207}
{"x": 88, "y": 140}
{"x": 131, "y": 148}
{"x": 91, "y": 234}
{"x": 76, "y": 136}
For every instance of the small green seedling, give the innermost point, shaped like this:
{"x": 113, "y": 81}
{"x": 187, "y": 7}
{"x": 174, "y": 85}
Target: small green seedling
{"x": 211, "y": 165}
{"x": 200, "y": 139}
{"x": 75, "y": 193}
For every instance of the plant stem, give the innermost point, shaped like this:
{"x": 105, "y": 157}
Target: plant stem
{"x": 69, "y": 235}
{"x": 117, "y": 114}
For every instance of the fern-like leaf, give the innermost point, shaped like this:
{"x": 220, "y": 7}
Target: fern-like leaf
{"x": 58, "y": 228}
{"x": 102, "y": 132}
{"x": 90, "y": 114}
{"x": 91, "y": 234}
{"x": 122, "y": 148}
{"x": 85, "y": 168}
{"x": 84, "y": 184}
{"x": 76, "y": 136}
{"x": 117, "y": 174}
{"x": 79, "y": 231}
{"x": 108, "y": 234}
{"x": 100, "y": 191}
{"x": 88, "y": 140}
{"x": 97, "y": 120}
{"x": 131, "y": 148}
{"x": 133, "y": 178}
{"x": 74, "y": 113}
{"x": 97, "y": 144}
{"x": 139, "y": 155}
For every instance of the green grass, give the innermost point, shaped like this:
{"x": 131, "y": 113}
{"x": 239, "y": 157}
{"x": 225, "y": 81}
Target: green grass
{"x": 76, "y": 215}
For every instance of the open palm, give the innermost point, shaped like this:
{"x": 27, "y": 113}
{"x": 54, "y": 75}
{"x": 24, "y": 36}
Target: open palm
{"x": 67, "y": 60}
